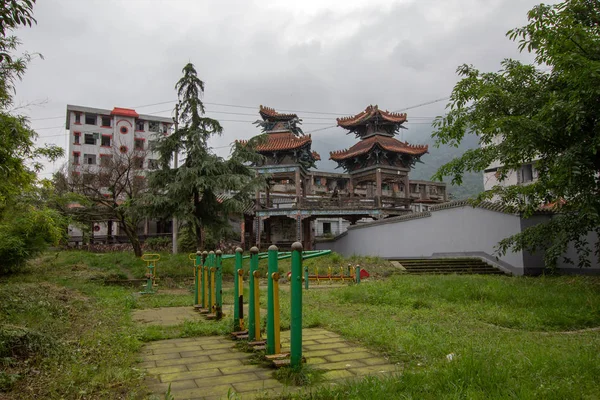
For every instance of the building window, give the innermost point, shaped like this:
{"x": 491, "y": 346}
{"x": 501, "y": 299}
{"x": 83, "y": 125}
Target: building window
{"x": 106, "y": 140}
{"x": 123, "y": 149}
{"x": 526, "y": 173}
{"x": 138, "y": 162}
{"x": 89, "y": 159}
{"x": 152, "y": 144}
{"x": 90, "y": 119}
{"x": 165, "y": 129}
{"x": 106, "y": 121}
{"x": 123, "y": 130}
{"x": 105, "y": 160}
{"x": 139, "y": 125}
{"x": 139, "y": 144}
{"x": 90, "y": 138}
{"x": 153, "y": 126}
{"x": 152, "y": 164}
{"x": 78, "y": 118}
{"x": 76, "y": 137}
{"x": 76, "y": 157}
{"x": 326, "y": 228}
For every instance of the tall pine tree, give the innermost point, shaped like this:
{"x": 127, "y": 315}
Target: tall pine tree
{"x": 205, "y": 188}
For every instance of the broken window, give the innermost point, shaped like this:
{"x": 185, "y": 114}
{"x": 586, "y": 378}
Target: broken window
{"x": 89, "y": 159}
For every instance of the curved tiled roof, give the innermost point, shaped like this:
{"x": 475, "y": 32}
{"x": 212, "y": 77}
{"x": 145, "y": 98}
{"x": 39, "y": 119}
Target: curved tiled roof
{"x": 386, "y": 143}
{"x": 270, "y": 113}
{"x": 369, "y": 113}
{"x": 124, "y": 112}
{"x": 316, "y": 156}
{"x": 282, "y": 141}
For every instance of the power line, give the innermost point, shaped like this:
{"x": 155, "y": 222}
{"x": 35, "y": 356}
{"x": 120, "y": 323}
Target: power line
{"x": 254, "y": 108}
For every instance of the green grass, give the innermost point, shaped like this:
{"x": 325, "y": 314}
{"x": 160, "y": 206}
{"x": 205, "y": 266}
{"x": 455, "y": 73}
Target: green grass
{"x": 64, "y": 333}
{"x": 506, "y": 335}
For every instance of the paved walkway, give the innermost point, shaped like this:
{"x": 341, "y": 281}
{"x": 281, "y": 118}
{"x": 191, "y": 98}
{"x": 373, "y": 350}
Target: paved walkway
{"x": 210, "y": 367}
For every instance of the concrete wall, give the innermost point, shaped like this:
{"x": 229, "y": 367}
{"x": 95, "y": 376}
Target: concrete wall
{"x": 457, "y": 231}
{"x": 460, "y": 231}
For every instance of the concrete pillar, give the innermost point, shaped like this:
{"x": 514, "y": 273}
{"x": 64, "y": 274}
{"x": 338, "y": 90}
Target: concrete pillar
{"x": 378, "y": 190}
{"x": 298, "y": 185}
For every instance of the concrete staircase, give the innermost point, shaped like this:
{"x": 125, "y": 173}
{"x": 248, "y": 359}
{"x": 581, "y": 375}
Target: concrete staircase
{"x": 447, "y": 266}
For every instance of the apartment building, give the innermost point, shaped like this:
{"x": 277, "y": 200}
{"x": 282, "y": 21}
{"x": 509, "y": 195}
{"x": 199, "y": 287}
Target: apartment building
{"x": 95, "y": 134}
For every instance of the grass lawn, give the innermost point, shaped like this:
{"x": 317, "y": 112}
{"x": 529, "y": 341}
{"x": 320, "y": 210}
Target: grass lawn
{"x": 65, "y": 334}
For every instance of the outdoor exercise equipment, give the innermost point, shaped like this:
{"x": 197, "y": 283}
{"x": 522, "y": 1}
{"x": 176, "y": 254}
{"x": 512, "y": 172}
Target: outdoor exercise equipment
{"x": 151, "y": 260}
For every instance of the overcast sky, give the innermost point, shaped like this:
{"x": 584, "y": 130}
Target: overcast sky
{"x": 322, "y": 56}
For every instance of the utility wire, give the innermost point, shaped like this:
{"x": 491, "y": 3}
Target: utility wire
{"x": 254, "y": 108}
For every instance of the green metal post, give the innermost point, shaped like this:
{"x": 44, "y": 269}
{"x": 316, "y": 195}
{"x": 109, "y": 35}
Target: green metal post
{"x": 237, "y": 304}
{"x": 273, "y": 250}
{"x": 296, "y": 312}
{"x": 197, "y": 271}
{"x": 357, "y": 274}
{"x": 211, "y": 264}
{"x": 202, "y": 289}
{"x": 253, "y": 267}
{"x": 219, "y": 285}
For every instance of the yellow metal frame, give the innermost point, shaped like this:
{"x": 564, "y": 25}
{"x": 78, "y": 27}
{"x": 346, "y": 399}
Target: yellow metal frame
{"x": 192, "y": 257}
{"x": 150, "y": 258}
{"x": 256, "y": 275}
{"x": 275, "y": 276}
{"x": 213, "y": 290}
{"x": 206, "y": 287}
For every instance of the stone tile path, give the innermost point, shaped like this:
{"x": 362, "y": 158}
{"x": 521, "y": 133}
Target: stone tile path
{"x": 209, "y": 367}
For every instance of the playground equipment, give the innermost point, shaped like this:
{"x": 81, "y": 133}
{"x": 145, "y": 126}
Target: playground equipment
{"x": 151, "y": 276}
{"x": 211, "y": 283}
{"x": 272, "y": 344}
{"x": 349, "y": 276}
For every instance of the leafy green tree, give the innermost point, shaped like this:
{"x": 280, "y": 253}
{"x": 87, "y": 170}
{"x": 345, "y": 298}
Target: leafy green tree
{"x": 205, "y": 188}
{"x": 547, "y": 114}
{"x": 27, "y": 225}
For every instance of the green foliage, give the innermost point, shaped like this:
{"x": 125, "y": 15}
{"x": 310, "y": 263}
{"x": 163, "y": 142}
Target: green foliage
{"x": 25, "y": 232}
{"x": 26, "y": 225}
{"x": 158, "y": 244}
{"x": 545, "y": 114}
{"x": 214, "y": 186}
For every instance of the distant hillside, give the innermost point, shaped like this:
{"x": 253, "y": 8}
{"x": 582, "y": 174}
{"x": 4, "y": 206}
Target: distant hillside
{"x": 472, "y": 182}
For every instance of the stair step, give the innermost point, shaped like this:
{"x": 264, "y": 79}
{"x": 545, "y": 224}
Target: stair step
{"x": 448, "y": 266}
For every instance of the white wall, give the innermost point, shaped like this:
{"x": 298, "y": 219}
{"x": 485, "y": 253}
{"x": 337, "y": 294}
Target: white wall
{"x": 455, "y": 230}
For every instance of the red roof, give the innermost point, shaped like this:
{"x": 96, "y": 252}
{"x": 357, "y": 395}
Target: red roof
{"x": 385, "y": 142}
{"x": 124, "y": 112}
{"x": 369, "y": 113}
{"x": 282, "y": 141}
{"x": 316, "y": 156}
{"x": 270, "y": 113}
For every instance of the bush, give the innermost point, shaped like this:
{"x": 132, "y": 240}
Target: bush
{"x": 158, "y": 244}
{"x": 26, "y": 232}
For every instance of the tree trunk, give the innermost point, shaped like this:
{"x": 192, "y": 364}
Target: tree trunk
{"x": 199, "y": 238}
{"x": 131, "y": 233}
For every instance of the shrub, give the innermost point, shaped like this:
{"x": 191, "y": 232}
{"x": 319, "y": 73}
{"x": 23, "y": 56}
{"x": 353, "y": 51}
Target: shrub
{"x": 26, "y": 232}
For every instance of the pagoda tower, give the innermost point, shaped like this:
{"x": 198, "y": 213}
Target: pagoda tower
{"x": 378, "y": 159}
{"x": 287, "y": 158}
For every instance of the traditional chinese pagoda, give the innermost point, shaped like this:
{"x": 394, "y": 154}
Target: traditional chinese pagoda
{"x": 378, "y": 160}
{"x": 285, "y": 142}
{"x": 288, "y": 156}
